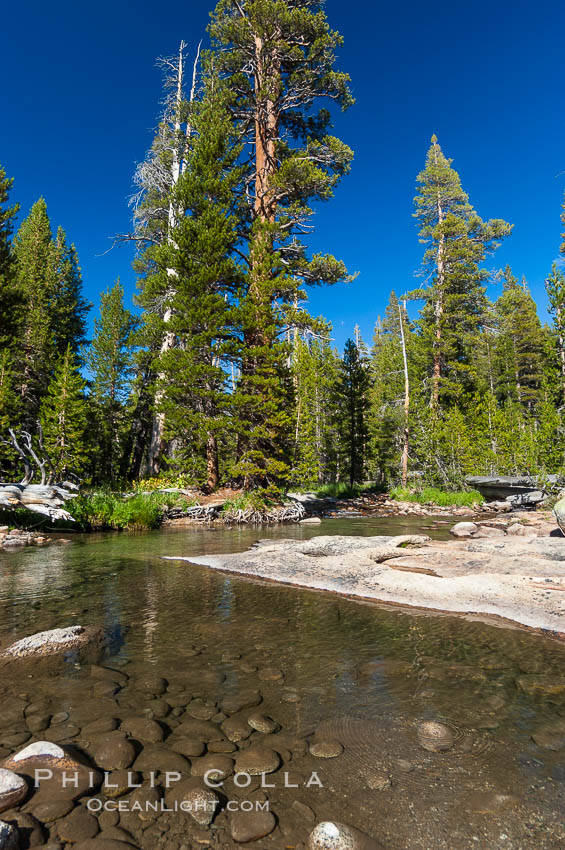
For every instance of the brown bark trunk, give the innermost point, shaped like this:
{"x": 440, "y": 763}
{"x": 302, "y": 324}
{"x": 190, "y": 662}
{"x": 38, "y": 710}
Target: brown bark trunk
{"x": 212, "y": 467}
{"x": 406, "y": 445}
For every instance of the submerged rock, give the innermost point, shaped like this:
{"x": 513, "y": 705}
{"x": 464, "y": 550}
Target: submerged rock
{"x": 326, "y": 749}
{"x": 330, "y": 835}
{"x": 12, "y": 789}
{"x": 52, "y": 641}
{"x": 250, "y": 826}
{"x": 9, "y": 839}
{"x": 58, "y": 766}
{"x": 435, "y": 737}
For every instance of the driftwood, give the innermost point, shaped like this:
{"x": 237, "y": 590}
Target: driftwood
{"x": 46, "y": 498}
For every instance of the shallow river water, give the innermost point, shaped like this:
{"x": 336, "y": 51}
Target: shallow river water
{"x": 324, "y": 668}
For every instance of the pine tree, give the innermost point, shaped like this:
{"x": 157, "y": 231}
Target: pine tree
{"x": 457, "y": 241}
{"x": 314, "y": 367}
{"x": 10, "y": 300}
{"x": 519, "y": 344}
{"x": 555, "y": 288}
{"x": 201, "y": 255}
{"x": 36, "y": 272}
{"x": 278, "y": 58}
{"x": 63, "y": 418}
{"x": 110, "y": 361}
{"x": 351, "y": 410}
{"x": 69, "y": 308}
{"x": 9, "y": 412}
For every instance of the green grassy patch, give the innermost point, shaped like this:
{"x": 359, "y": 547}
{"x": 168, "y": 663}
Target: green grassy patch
{"x": 111, "y": 511}
{"x": 342, "y": 490}
{"x": 441, "y": 498}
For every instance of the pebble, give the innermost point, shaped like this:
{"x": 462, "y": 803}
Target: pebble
{"x": 330, "y": 835}
{"x": 250, "y": 826}
{"x": 217, "y": 767}
{"x": 188, "y": 747}
{"x": 114, "y": 752}
{"x": 80, "y": 824}
{"x": 119, "y": 782}
{"x": 202, "y": 803}
{"x": 236, "y": 729}
{"x": 435, "y": 737}
{"x": 161, "y": 758}
{"x": 262, "y": 723}
{"x": 53, "y": 810}
{"x": 144, "y": 729}
{"x": 270, "y": 674}
{"x": 257, "y": 760}
{"x": 378, "y": 781}
{"x": 326, "y": 749}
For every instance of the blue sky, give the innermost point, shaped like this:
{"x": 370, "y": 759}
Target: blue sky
{"x": 81, "y": 94}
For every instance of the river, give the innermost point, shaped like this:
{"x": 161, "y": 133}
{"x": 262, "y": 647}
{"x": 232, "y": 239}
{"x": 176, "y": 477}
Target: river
{"x": 363, "y": 674}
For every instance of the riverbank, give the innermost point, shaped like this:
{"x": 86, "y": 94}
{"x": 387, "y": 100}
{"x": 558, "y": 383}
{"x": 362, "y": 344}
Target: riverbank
{"x": 507, "y": 578}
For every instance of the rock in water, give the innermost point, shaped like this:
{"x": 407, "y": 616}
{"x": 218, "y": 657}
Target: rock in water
{"x": 12, "y": 789}
{"x": 63, "y": 777}
{"x": 464, "y": 529}
{"x": 330, "y": 835}
{"x": 9, "y": 838}
{"x": 51, "y": 642}
{"x": 250, "y": 826}
{"x": 435, "y": 737}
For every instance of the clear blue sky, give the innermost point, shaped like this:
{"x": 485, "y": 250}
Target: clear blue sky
{"x": 80, "y": 95}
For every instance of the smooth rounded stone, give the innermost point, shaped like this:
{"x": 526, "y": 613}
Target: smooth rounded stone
{"x": 464, "y": 529}
{"x": 99, "y": 727}
{"x": 108, "y": 818}
{"x": 44, "y": 755}
{"x": 38, "y": 722}
{"x": 377, "y": 781}
{"x": 9, "y": 839}
{"x": 251, "y": 826}
{"x": 77, "y": 826}
{"x": 15, "y": 739}
{"x": 145, "y": 801}
{"x": 248, "y": 668}
{"x": 52, "y": 811}
{"x": 404, "y": 766}
{"x": 541, "y": 685}
{"x": 119, "y": 782}
{"x": 143, "y": 729}
{"x": 48, "y": 642}
{"x": 551, "y": 736}
{"x": 202, "y": 803}
{"x": 201, "y": 710}
{"x": 244, "y": 699}
{"x": 61, "y": 732}
{"x": 256, "y": 760}
{"x": 105, "y": 689}
{"x": 290, "y": 696}
{"x": 179, "y": 700}
{"x": 435, "y": 737}
{"x": 311, "y": 520}
{"x": 262, "y": 723}
{"x": 59, "y": 717}
{"x": 489, "y": 802}
{"x": 108, "y": 674}
{"x": 13, "y": 789}
{"x": 304, "y": 811}
{"x": 151, "y": 684}
{"x": 158, "y": 707}
{"x": 177, "y": 791}
{"x": 236, "y": 729}
{"x": 115, "y": 833}
{"x": 231, "y": 655}
{"x": 270, "y": 674}
{"x": 330, "y": 835}
{"x": 326, "y": 749}
{"x": 31, "y": 832}
{"x": 161, "y": 758}
{"x": 12, "y": 710}
{"x": 224, "y": 746}
{"x": 187, "y": 747}
{"x": 113, "y": 753}
{"x": 202, "y": 730}
{"x": 215, "y": 766}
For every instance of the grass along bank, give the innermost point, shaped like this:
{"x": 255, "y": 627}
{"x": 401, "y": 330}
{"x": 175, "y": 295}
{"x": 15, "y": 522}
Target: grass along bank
{"x": 434, "y": 496}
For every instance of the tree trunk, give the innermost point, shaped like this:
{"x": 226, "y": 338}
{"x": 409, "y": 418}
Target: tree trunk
{"x": 406, "y": 445}
{"x": 212, "y": 467}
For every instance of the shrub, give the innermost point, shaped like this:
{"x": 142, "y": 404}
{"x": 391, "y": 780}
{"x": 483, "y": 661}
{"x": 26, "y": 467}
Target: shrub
{"x": 441, "y": 498}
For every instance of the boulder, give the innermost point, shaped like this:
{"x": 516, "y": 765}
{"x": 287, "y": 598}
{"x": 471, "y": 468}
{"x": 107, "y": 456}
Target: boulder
{"x": 58, "y": 768}
{"x": 464, "y": 529}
